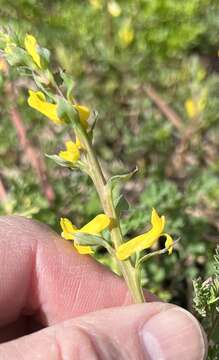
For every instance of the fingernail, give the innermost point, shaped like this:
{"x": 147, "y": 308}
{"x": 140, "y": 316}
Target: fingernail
{"x": 173, "y": 334}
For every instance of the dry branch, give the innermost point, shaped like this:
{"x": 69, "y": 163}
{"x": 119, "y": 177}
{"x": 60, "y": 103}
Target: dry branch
{"x": 164, "y": 108}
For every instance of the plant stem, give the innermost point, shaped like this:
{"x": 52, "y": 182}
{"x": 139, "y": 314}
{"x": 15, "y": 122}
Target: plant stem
{"x": 128, "y": 271}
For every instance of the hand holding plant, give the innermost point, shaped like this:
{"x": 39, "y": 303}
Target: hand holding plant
{"x": 52, "y": 96}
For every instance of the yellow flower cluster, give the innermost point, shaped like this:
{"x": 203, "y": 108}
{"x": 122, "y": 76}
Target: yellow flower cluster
{"x": 37, "y": 99}
{"x": 94, "y": 227}
{"x": 137, "y": 244}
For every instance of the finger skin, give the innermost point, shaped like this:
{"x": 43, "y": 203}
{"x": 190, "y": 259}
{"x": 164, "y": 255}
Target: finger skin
{"x": 42, "y": 274}
{"x": 118, "y": 334}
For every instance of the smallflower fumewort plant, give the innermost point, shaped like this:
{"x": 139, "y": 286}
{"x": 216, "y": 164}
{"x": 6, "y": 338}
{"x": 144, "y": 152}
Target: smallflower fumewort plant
{"x": 50, "y": 94}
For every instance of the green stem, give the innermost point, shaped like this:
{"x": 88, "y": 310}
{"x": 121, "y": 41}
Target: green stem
{"x": 128, "y": 271}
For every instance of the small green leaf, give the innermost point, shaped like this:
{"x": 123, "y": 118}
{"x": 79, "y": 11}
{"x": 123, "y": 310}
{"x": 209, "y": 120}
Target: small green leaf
{"x": 44, "y": 56}
{"x": 93, "y": 240}
{"x": 17, "y": 57}
{"x": 119, "y": 179}
{"x": 58, "y": 160}
{"x": 88, "y": 239}
{"x": 69, "y": 84}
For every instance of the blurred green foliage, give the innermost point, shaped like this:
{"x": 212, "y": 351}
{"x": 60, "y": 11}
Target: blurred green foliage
{"x": 115, "y": 56}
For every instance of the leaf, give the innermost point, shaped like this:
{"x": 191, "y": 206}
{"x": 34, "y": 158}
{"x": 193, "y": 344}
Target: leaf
{"x": 119, "y": 179}
{"x": 58, "y": 160}
{"x": 17, "y": 57}
{"x": 88, "y": 239}
{"x": 113, "y": 185}
{"x": 69, "y": 84}
{"x": 44, "y": 56}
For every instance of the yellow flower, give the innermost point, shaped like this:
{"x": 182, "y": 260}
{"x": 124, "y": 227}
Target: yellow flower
{"x": 97, "y": 4}
{"x": 169, "y": 243}
{"x": 147, "y": 239}
{"x": 114, "y": 8}
{"x": 84, "y": 114}
{"x": 38, "y": 102}
{"x": 72, "y": 153}
{"x": 191, "y": 108}
{"x": 31, "y": 46}
{"x": 94, "y": 227}
{"x": 194, "y": 107}
{"x": 126, "y": 34}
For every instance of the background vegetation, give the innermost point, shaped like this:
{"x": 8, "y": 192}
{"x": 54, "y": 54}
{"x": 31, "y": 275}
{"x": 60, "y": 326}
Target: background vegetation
{"x": 150, "y": 69}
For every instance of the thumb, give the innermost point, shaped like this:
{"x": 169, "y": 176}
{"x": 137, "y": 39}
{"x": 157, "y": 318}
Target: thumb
{"x": 146, "y": 331}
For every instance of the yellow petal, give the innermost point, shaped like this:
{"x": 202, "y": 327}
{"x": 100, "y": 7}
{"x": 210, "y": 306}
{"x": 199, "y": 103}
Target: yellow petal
{"x": 68, "y": 233}
{"x": 95, "y": 226}
{"x": 31, "y": 45}
{"x": 114, "y": 8}
{"x": 126, "y": 34}
{"x": 83, "y": 250}
{"x": 143, "y": 241}
{"x": 84, "y": 114}
{"x": 68, "y": 229}
{"x": 191, "y": 108}
{"x": 169, "y": 243}
{"x": 38, "y": 102}
{"x": 138, "y": 243}
{"x": 71, "y": 146}
{"x": 72, "y": 154}
{"x": 157, "y": 221}
{"x": 69, "y": 156}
